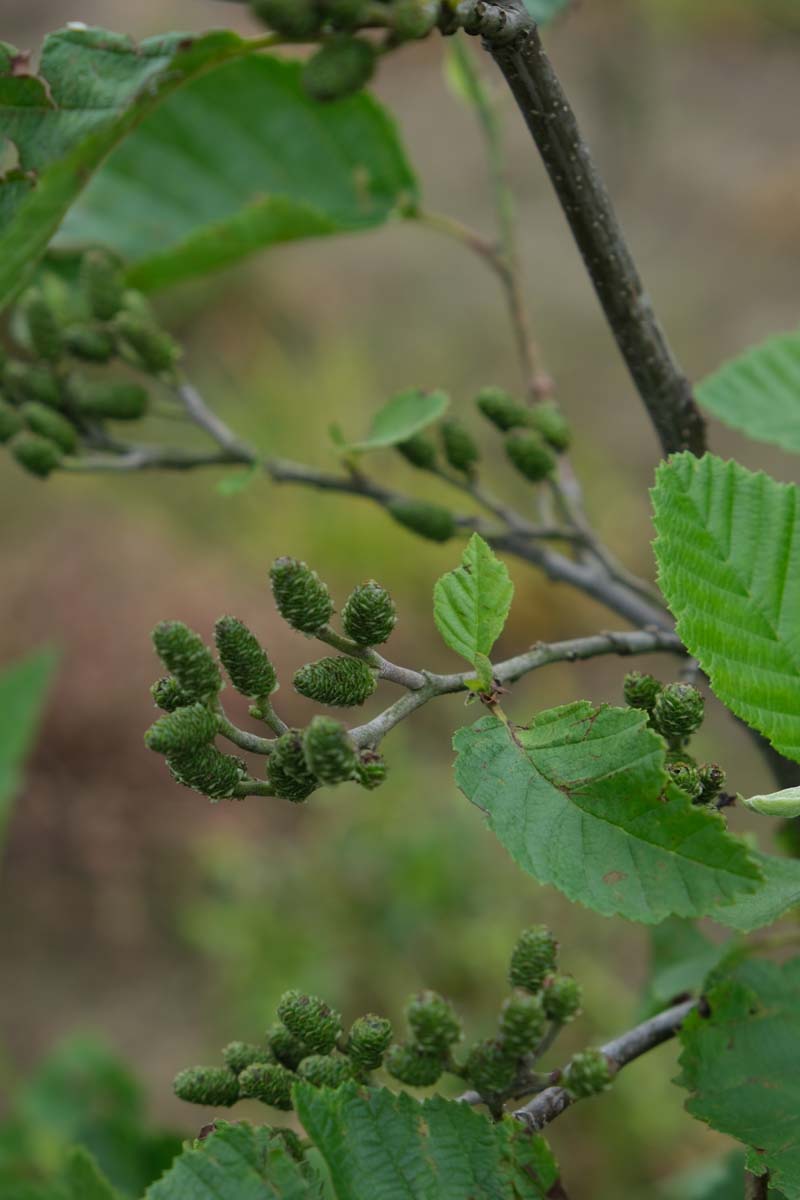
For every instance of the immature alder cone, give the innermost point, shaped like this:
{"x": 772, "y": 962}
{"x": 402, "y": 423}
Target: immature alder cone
{"x": 237, "y": 1056}
{"x": 490, "y": 1067}
{"x": 325, "y": 1070}
{"x": 413, "y": 18}
{"x": 561, "y": 997}
{"x": 287, "y": 770}
{"x": 153, "y": 349}
{"x": 548, "y": 420}
{"x": 340, "y": 682}
{"x": 368, "y": 1041}
{"x": 269, "y": 1082}
{"x": 641, "y": 691}
{"x": 168, "y": 694}
{"x": 311, "y": 1020}
{"x": 346, "y": 14}
{"x": 102, "y": 284}
{"x": 371, "y": 770}
{"x": 107, "y": 401}
{"x": 419, "y": 451}
{"x": 678, "y": 712}
{"x": 182, "y": 730}
{"x": 293, "y": 18}
{"x": 50, "y": 424}
{"x": 213, "y": 1086}
{"x": 208, "y": 771}
{"x": 686, "y": 776}
{"x": 10, "y": 421}
{"x": 588, "y": 1073}
{"x": 533, "y": 958}
{"x": 302, "y": 598}
{"x": 433, "y": 1022}
{"x": 186, "y": 656}
{"x": 44, "y": 329}
{"x": 32, "y": 381}
{"x": 712, "y": 782}
{"x": 522, "y": 1022}
{"x": 430, "y": 521}
{"x": 38, "y": 455}
{"x": 242, "y": 656}
{"x": 460, "y": 448}
{"x": 89, "y": 343}
{"x": 330, "y": 755}
{"x": 287, "y": 1049}
{"x": 530, "y": 455}
{"x": 500, "y": 407}
{"x": 413, "y": 1066}
{"x": 369, "y": 614}
{"x": 342, "y": 65}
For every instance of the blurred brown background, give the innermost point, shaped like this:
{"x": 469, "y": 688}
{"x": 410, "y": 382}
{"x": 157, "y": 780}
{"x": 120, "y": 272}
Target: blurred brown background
{"x": 134, "y": 909}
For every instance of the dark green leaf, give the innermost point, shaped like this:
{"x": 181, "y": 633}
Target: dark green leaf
{"x": 22, "y": 692}
{"x": 728, "y": 551}
{"x": 579, "y": 799}
{"x": 381, "y": 1145}
{"x": 759, "y": 392}
{"x": 94, "y": 87}
{"x": 241, "y": 159}
{"x": 742, "y": 1065}
{"x": 779, "y": 892}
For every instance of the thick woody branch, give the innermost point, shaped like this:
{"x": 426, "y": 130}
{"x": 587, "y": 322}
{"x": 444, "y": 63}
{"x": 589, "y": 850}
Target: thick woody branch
{"x": 552, "y": 1102}
{"x": 513, "y": 41}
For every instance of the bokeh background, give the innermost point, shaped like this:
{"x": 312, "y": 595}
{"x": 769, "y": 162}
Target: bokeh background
{"x": 135, "y": 912}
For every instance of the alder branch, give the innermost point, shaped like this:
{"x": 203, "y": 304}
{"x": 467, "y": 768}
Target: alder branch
{"x": 756, "y": 1187}
{"x": 553, "y": 1101}
{"x": 512, "y": 38}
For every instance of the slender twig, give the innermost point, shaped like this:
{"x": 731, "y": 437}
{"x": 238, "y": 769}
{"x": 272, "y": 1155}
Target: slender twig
{"x": 402, "y": 676}
{"x": 646, "y": 641}
{"x": 549, "y": 1104}
{"x": 243, "y": 739}
{"x": 756, "y": 1187}
{"x": 512, "y": 38}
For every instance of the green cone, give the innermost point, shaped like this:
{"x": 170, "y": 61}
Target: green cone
{"x": 107, "y": 401}
{"x": 288, "y": 1049}
{"x": 340, "y": 682}
{"x": 433, "y": 1022}
{"x": 311, "y": 1020}
{"x": 369, "y": 614}
{"x": 269, "y": 1082}
{"x": 530, "y": 455}
{"x": 169, "y": 695}
{"x": 522, "y": 1022}
{"x": 208, "y": 771}
{"x": 430, "y": 521}
{"x": 49, "y": 423}
{"x": 302, "y": 598}
{"x": 325, "y": 1070}
{"x": 293, "y": 18}
{"x": 686, "y": 776}
{"x": 533, "y": 958}
{"x": 413, "y": 1066}
{"x": 490, "y": 1067}
{"x": 38, "y": 455}
{"x": 641, "y": 691}
{"x": 90, "y": 343}
{"x": 678, "y": 712}
{"x": 287, "y": 770}
{"x": 371, "y": 770}
{"x": 330, "y": 755}
{"x": 712, "y": 782}
{"x": 342, "y": 66}
{"x": 561, "y": 996}
{"x": 30, "y": 381}
{"x": 186, "y": 656}
{"x": 411, "y": 19}
{"x": 152, "y": 349}
{"x": 10, "y": 421}
{"x": 215, "y": 1087}
{"x": 102, "y": 284}
{"x": 548, "y": 420}
{"x": 500, "y": 407}
{"x": 588, "y": 1073}
{"x": 419, "y": 451}
{"x": 460, "y": 448}
{"x": 43, "y": 326}
{"x": 248, "y": 665}
{"x": 368, "y": 1041}
{"x": 182, "y": 730}
{"x": 237, "y": 1056}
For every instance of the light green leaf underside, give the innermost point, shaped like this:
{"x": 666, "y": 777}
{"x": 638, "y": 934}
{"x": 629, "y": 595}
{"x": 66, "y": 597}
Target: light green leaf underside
{"x": 238, "y": 160}
{"x": 471, "y": 604}
{"x": 238, "y": 1162}
{"x": 381, "y": 1145}
{"x": 93, "y": 89}
{"x": 728, "y": 551}
{"x": 758, "y": 393}
{"x": 575, "y": 799}
{"x": 22, "y": 692}
{"x": 779, "y": 893}
{"x": 401, "y": 417}
{"x": 742, "y": 1065}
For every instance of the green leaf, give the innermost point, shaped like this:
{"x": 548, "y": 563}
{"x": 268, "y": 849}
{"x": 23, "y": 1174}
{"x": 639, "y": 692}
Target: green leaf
{"x": 779, "y": 892}
{"x": 728, "y": 551}
{"x": 240, "y": 159}
{"x": 401, "y": 417}
{"x": 237, "y": 1162}
{"x": 758, "y": 393}
{"x": 578, "y": 799}
{"x": 238, "y": 481}
{"x": 471, "y": 604}
{"x": 742, "y": 1065}
{"x": 93, "y": 88}
{"x": 785, "y": 803}
{"x": 83, "y": 1179}
{"x": 22, "y": 691}
{"x": 381, "y": 1145}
